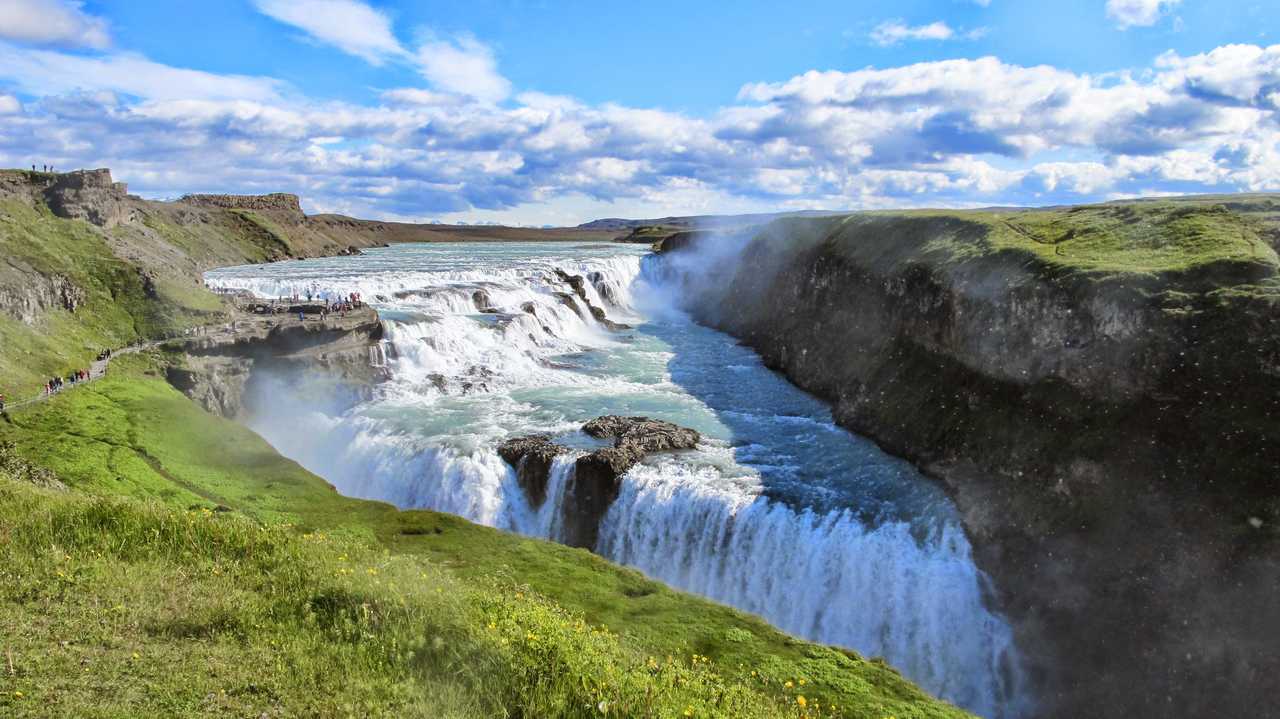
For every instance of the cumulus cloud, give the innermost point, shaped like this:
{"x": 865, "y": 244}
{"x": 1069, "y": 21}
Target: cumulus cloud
{"x": 349, "y": 25}
{"x": 9, "y": 105}
{"x": 1138, "y": 13}
{"x": 52, "y": 22}
{"x": 464, "y": 66}
{"x": 895, "y": 31}
{"x": 951, "y": 133}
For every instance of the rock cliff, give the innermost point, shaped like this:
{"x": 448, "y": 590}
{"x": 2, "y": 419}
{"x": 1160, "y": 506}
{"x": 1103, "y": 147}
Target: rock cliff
{"x": 1100, "y": 390}
{"x": 217, "y": 368}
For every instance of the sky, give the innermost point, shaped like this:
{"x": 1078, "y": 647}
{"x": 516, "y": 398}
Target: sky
{"x": 536, "y": 112}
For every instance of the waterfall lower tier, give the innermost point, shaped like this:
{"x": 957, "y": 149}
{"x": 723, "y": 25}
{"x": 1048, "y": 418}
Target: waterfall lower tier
{"x": 826, "y": 577}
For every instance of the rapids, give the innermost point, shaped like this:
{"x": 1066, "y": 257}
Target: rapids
{"x": 779, "y": 511}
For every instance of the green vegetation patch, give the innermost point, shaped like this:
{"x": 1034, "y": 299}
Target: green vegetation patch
{"x": 1205, "y": 243}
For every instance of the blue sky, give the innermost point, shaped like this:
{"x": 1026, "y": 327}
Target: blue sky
{"x": 558, "y": 112}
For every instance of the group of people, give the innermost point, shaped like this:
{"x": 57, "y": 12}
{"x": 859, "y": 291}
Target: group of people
{"x": 57, "y": 383}
{"x": 345, "y": 304}
{"x": 47, "y": 168}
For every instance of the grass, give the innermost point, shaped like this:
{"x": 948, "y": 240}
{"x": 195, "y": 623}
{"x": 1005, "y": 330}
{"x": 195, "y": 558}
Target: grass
{"x": 1209, "y": 242}
{"x": 114, "y": 608}
{"x": 115, "y": 309}
{"x": 230, "y": 593}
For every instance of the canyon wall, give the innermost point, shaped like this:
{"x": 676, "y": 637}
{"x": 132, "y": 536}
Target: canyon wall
{"x": 217, "y": 369}
{"x": 1103, "y": 406}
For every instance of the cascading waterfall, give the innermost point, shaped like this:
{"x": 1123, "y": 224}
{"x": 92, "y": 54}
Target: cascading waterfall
{"x": 824, "y": 576}
{"x": 779, "y": 513}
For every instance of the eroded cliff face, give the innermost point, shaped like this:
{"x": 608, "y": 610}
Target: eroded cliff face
{"x": 1109, "y": 438}
{"x": 217, "y": 369}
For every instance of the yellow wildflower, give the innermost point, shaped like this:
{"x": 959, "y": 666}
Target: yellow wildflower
{"x": 801, "y": 700}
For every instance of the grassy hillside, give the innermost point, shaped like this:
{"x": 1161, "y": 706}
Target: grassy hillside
{"x": 190, "y": 568}
{"x": 115, "y": 305}
{"x": 1231, "y": 238}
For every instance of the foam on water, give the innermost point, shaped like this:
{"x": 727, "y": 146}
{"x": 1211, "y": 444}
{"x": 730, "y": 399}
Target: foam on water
{"x": 779, "y": 512}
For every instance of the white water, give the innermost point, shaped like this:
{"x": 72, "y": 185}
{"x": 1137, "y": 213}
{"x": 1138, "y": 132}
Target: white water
{"x": 779, "y": 512}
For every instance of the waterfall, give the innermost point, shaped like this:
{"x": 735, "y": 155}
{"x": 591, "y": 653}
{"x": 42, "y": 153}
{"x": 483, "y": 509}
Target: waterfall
{"x": 826, "y": 577}
{"x": 777, "y": 513}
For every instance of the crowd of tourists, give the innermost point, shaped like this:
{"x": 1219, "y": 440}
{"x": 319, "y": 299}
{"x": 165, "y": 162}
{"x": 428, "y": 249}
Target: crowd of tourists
{"x": 57, "y": 384}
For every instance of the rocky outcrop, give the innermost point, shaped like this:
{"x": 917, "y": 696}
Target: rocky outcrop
{"x": 678, "y": 240}
{"x": 1108, "y": 438}
{"x": 532, "y": 458}
{"x": 26, "y": 295}
{"x": 89, "y": 195}
{"x": 219, "y": 366}
{"x": 597, "y": 475}
{"x": 277, "y": 202}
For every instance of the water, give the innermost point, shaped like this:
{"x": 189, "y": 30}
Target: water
{"x": 778, "y": 512}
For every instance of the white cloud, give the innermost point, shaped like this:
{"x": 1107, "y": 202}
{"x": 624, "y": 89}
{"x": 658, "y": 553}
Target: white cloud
{"x": 43, "y": 72}
{"x": 895, "y": 31}
{"x": 464, "y": 66}
{"x": 9, "y": 105}
{"x": 349, "y": 25}
{"x": 418, "y": 96}
{"x": 949, "y": 133}
{"x": 52, "y": 22}
{"x": 1137, "y": 13}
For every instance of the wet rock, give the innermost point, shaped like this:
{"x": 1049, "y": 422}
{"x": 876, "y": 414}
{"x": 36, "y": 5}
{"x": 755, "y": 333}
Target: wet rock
{"x": 597, "y": 476}
{"x": 482, "y": 301}
{"x": 642, "y": 435}
{"x": 579, "y": 286}
{"x": 532, "y": 458}
{"x": 529, "y": 308}
{"x": 566, "y": 299}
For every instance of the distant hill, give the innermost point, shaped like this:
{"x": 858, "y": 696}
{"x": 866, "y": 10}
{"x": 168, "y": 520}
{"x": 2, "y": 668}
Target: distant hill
{"x": 699, "y": 221}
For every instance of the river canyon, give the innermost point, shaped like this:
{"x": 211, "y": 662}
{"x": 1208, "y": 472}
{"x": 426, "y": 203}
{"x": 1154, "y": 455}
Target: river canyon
{"x": 777, "y": 511}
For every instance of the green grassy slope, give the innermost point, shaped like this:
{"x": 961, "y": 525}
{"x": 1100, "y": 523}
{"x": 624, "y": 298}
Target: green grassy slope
{"x": 1220, "y": 238}
{"x": 117, "y": 307}
{"x": 240, "y": 588}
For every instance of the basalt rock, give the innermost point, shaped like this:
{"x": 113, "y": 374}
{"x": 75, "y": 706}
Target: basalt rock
{"x": 532, "y": 458}
{"x": 26, "y": 295}
{"x": 597, "y": 476}
{"x": 280, "y": 204}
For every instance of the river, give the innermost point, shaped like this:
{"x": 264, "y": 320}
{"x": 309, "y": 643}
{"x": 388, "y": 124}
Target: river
{"x": 779, "y": 512}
